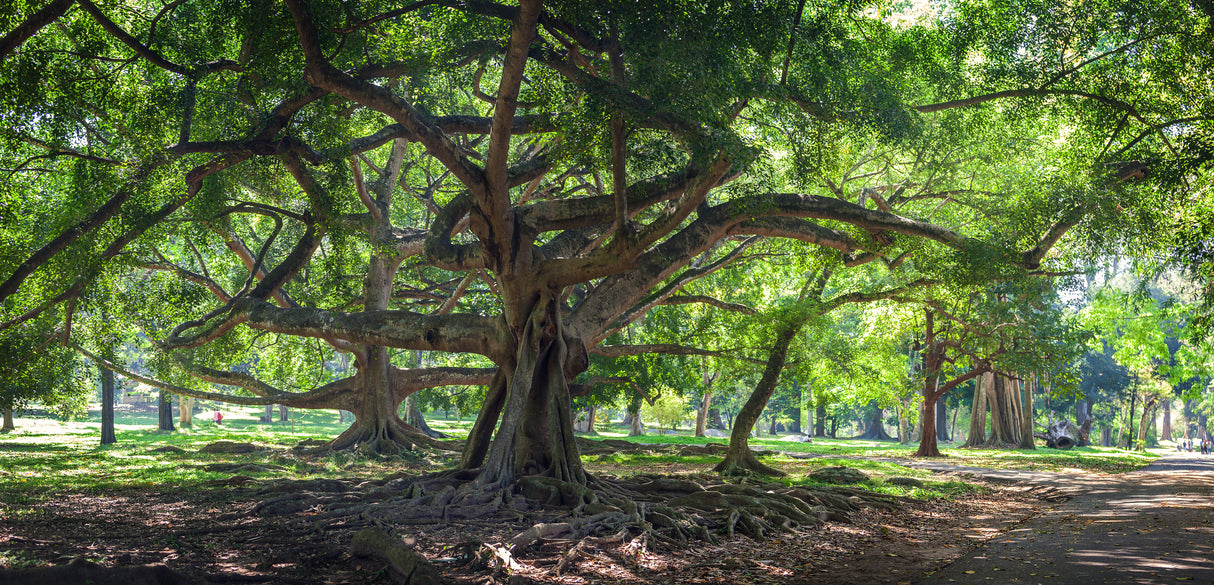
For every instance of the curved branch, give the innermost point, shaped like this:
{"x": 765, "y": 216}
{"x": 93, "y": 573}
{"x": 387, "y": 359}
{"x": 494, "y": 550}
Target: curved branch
{"x": 461, "y": 333}
{"x": 318, "y": 398}
{"x": 30, "y": 26}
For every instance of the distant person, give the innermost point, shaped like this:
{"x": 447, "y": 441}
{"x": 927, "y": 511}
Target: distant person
{"x": 218, "y": 418}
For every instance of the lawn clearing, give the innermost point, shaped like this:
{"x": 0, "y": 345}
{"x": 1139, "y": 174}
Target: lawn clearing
{"x": 136, "y": 502}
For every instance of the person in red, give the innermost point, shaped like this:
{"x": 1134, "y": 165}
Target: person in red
{"x": 218, "y": 417}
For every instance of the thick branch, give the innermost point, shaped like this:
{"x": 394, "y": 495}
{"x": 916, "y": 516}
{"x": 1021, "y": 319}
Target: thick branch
{"x": 30, "y": 26}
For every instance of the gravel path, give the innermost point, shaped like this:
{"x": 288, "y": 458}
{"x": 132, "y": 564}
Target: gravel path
{"x": 1150, "y": 526}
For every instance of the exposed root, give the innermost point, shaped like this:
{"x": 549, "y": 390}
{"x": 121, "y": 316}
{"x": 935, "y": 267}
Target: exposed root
{"x": 620, "y": 516}
{"x": 409, "y": 567}
{"x": 745, "y": 463}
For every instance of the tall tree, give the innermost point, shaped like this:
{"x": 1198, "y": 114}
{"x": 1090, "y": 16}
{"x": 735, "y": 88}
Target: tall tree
{"x": 543, "y": 175}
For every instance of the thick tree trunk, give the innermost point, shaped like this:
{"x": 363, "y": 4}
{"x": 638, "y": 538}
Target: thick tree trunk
{"x": 1083, "y": 411}
{"x": 636, "y": 428}
{"x": 165, "y": 410}
{"x": 1165, "y": 433}
{"x": 284, "y": 413}
{"x": 1106, "y": 436}
{"x": 927, "y": 438}
{"x": 268, "y": 414}
{"x": 535, "y": 435}
{"x": 941, "y": 413}
{"x": 982, "y": 389}
{"x": 186, "y": 412}
{"x": 820, "y": 419}
{"x": 874, "y": 426}
{"x": 8, "y": 419}
{"x": 107, "y": 407}
{"x": 714, "y": 419}
{"x": 1148, "y": 409}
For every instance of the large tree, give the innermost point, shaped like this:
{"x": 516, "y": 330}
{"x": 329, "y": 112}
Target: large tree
{"x": 518, "y": 182}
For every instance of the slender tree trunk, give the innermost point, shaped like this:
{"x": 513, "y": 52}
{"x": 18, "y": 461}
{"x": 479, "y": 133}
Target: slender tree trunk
{"x": 1027, "y": 387}
{"x": 702, "y": 415}
{"x": 739, "y": 459}
{"x": 795, "y": 411}
{"x": 165, "y": 409}
{"x": 415, "y": 418}
{"x": 1127, "y": 433}
{"x": 1083, "y": 410}
{"x": 1165, "y": 434}
{"x": 107, "y": 407}
{"x": 1147, "y": 408}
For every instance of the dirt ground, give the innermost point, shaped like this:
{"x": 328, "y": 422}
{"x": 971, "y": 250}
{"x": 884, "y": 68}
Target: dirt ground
{"x": 215, "y": 536}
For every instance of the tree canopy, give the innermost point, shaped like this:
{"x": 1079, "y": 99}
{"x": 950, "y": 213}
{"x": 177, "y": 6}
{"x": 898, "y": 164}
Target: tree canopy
{"x": 267, "y": 184}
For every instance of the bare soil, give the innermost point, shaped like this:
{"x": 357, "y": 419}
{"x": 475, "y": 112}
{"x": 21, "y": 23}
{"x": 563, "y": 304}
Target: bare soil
{"x": 214, "y": 535}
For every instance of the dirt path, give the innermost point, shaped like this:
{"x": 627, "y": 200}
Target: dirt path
{"x": 1149, "y": 526}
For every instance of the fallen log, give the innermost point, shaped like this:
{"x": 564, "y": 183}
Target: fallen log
{"x": 1060, "y": 434}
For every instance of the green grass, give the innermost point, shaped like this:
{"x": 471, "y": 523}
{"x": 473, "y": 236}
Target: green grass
{"x": 1082, "y": 459}
{"x": 45, "y": 457}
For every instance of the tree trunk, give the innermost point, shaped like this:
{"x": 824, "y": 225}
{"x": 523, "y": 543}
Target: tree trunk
{"x": 874, "y": 427}
{"x": 1127, "y": 433}
{"x": 739, "y": 459}
{"x": 415, "y": 419}
{"x": 714, "y": 419}
{"x": 982, "y": 389}
{"x": 1027, "y": 387}
{"x": 702, "y": 414}
{"x": 904, "y": 420}
{"x": 927, "y": 437}
{"x": 1106, "y": 436}
{"x": 535, "y": 435}
{"x": 1083, "y": 411}
{"x": 8, "y": 420}
{"x": 165, "y": 409}
{"x": 1165, "y": 434}
{"x": 636, "y": 428}
{"x": 186, "y": 412}
{"x": 284, "y": 414}
{"x": 795, "y": 410}
{"x": 941, "y": 412}
{"x": 1148, "y": 407}
{"x": 820, "y": 419}
{"x": 107, "y": 407}
{"x": 268, "y": 417}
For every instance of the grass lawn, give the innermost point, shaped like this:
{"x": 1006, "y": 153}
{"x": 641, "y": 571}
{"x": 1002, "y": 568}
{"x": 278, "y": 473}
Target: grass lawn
{"x": 45, "y": 456}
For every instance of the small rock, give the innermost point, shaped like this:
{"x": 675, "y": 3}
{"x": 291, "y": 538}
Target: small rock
{"x": 904, "y": 481}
